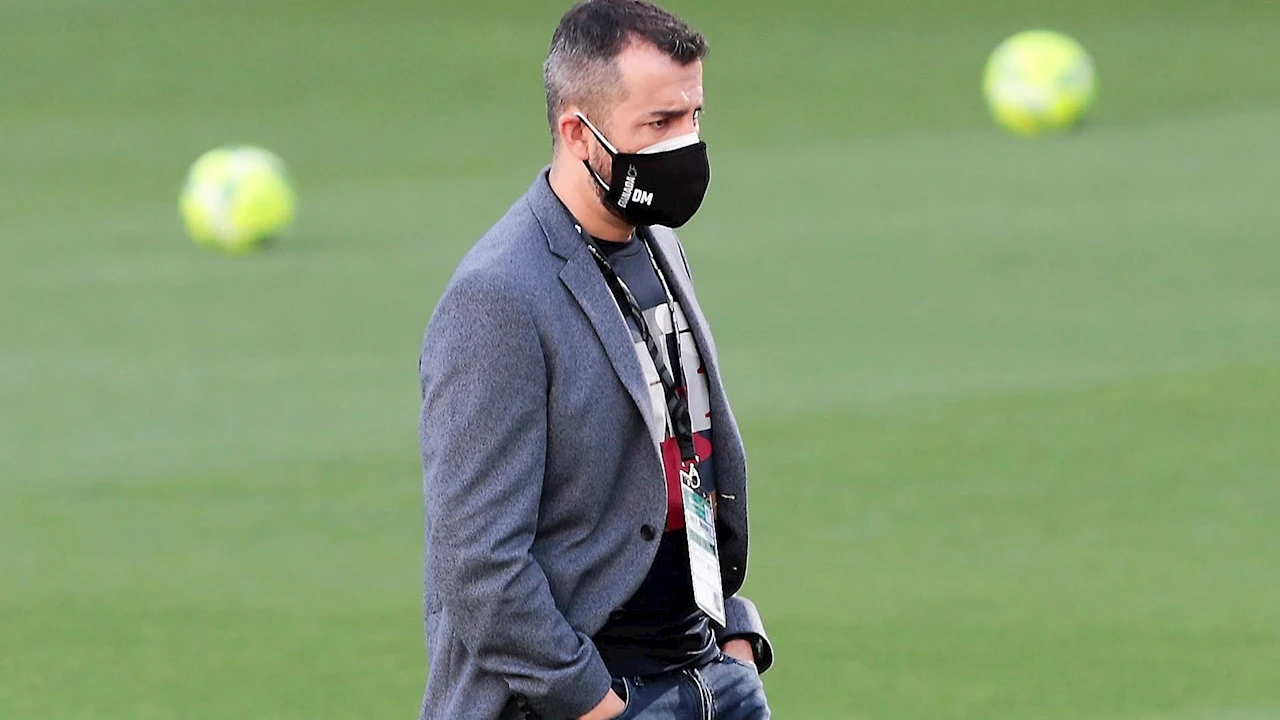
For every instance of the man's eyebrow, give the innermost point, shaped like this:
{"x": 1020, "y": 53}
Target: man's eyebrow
{"x": 672, "y": 113}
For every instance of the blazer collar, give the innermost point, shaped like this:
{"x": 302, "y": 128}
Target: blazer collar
{"x": 557, "y": 223}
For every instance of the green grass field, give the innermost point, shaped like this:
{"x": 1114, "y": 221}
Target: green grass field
{"x": 1013, "y": 407}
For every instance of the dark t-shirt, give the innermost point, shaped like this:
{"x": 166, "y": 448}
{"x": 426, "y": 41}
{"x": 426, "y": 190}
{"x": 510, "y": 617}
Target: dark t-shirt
{"x": 661, "y": 628}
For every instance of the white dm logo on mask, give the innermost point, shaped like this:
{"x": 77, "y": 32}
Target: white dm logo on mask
{"x": 631, "y": 194}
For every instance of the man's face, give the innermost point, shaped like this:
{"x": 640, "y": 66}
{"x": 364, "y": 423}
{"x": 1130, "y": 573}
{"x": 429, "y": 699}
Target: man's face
{"x": 662, "y": 99}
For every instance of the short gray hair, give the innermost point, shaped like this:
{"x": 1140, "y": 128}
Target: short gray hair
{"x": 581, "y": 67}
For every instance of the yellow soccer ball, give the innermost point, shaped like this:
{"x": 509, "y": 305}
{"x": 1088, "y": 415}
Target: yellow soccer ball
{"x": 237, "y": 199}
{"x": 1039, "y": 82}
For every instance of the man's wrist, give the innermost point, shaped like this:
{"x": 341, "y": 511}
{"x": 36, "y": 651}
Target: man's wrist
{"x": 754, "y": 641}
{"x": 609, "y": 707}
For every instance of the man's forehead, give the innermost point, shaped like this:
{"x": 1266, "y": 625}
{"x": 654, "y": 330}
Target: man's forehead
{"x": 652, "y": 77}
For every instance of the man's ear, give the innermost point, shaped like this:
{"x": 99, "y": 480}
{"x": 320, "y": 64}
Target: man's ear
{"x": 573, "y": 135}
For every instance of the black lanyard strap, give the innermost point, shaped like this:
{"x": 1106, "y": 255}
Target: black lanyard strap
{"x": 677, "y": 406}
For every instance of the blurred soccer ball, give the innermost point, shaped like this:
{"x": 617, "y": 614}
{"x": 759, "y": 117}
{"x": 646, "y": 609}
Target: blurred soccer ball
{"x": 237, "y": 199}
{"x": 1038, "y": 82}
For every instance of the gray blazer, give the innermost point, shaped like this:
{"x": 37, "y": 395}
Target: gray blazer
{"x": 544, "y": 488}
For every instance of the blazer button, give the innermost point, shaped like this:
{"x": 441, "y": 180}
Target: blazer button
{"x": 647, "y": 533}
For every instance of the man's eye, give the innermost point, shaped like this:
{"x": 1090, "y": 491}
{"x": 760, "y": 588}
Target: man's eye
{"x": 658, "y": 124}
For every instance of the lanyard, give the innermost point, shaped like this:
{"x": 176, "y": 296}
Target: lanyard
{"x": 677, "y": 406}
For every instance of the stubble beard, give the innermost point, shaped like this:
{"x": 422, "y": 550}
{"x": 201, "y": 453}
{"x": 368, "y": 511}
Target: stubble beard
{"x": 602, "y": 164}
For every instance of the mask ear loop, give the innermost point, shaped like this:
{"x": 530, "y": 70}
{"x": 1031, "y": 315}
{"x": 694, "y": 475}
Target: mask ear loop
{"x": 613, "y": 151}
{"x": 599, "y": 136}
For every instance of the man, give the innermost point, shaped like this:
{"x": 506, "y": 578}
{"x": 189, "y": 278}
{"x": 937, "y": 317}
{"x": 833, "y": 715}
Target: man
{"x": 583, "y": 550}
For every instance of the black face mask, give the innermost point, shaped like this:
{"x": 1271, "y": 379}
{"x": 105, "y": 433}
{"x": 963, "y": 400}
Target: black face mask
{"x": 660, "y": 185}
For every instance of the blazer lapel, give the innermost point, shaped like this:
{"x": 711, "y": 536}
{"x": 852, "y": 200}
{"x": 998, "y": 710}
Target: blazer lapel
{"x": 673, "y": 267}
{"x": 587, "y": 286}
{"x": 731, "y": 461}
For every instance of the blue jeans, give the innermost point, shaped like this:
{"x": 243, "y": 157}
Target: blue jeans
{"x": 723, "y": 689}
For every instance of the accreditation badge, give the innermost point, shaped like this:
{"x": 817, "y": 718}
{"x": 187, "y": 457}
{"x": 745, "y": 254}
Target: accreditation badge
{"x": 704, "y": 558}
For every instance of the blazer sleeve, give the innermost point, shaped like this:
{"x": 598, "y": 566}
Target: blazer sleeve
{"x": 743, "y": 622}
{"x": 483, "y": 435}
